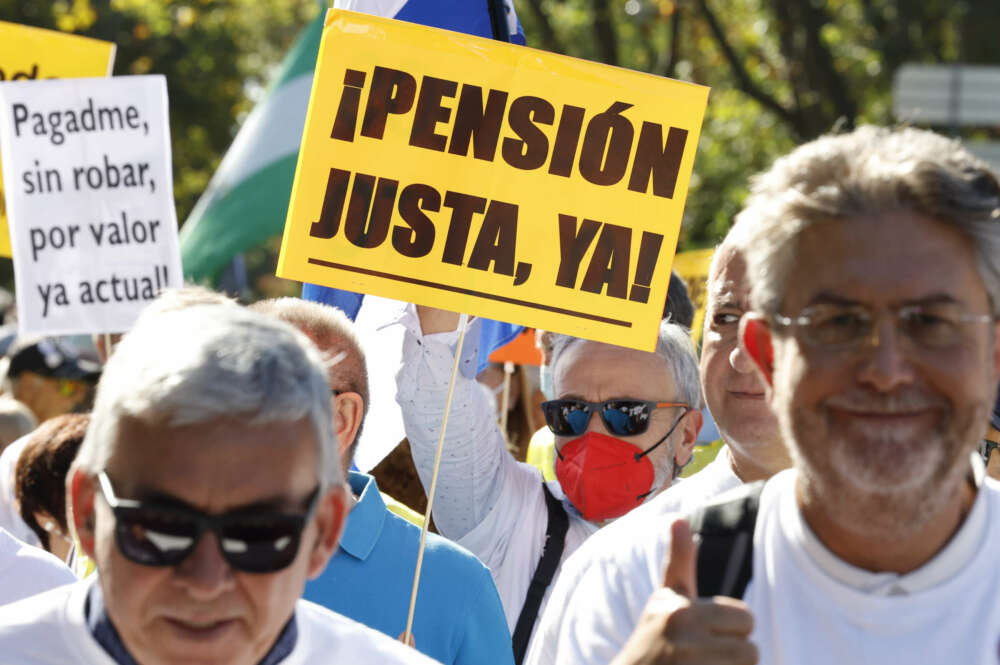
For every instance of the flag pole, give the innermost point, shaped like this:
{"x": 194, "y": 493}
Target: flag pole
{"x": 463, "y": 325}
{"x": 498, "y": 20}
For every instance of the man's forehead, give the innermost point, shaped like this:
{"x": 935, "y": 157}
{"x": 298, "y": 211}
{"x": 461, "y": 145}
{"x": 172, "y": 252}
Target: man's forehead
{"x": 215, "y": 466}
{"x": 616, "y": 370}
{"x": 729, "y": 290}
{"x": 891, "y": 259}
{"x": 728, "y": 283}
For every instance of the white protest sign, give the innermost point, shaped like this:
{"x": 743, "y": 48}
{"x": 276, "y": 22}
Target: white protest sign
{"x": 89, "y": 194}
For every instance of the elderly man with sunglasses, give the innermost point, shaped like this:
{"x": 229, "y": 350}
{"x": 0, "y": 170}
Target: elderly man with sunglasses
{"x": 207, "y": 490}
{"x": 458, "y": 618}
{"x": 875, "y": 272}
{"x": 624, "y": 421}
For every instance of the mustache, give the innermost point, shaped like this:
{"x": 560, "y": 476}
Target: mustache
{"x": 904, "y": 400}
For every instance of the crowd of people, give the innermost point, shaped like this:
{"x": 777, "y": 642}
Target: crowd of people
{"x": 189, "y": 496}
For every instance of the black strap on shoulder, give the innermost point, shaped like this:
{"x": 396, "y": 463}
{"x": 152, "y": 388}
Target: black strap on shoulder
{"x": 725, "y": 553}
{"x": 555, "y": 543}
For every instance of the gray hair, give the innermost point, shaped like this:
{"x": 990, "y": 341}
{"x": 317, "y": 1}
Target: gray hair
{"x": 332, "y": 332}
{"x": 189, "y": 295}
{"x": 205, "y": 363}
{"x": 673, "y": 344}
{"x": 867, "y": 173}
{"x": 328, "y": 328}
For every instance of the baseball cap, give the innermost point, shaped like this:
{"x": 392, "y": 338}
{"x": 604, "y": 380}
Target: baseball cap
{"x": 50, "y": 357}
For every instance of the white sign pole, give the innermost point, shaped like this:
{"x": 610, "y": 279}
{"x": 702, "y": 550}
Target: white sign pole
{"x": 463, "y": 326}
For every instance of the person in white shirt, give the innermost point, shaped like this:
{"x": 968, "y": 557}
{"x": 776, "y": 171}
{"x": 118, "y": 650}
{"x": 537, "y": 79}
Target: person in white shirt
{"x": 753, "y": 451}
{"x": 625, "y": 422}
{"x": 26, "y": 570}
{"x": 874, "y": 260}
{"x": 207, "y": 490}
{"x": 10, "y": 516}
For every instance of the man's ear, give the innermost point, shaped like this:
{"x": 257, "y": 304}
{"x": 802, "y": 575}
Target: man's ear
{"x": 331, "y": 516}
{"x": 755, "y": 340}
{"x": 689, "y": 427}
{"x": 81, "y": 488}
{"x": 348, "y": 412}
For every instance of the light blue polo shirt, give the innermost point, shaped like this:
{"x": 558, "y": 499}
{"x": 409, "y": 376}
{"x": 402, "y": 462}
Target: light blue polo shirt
{"x": 458, "y": 618}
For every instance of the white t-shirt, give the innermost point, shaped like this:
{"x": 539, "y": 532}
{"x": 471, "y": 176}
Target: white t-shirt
{"x": 50, "y": 629}
{"x": 486, "y": 501}
{"x": 26, "y": 570}
{"x": 10, "y": 518}
{"x": 810, "y": 607}
{"x": 573, "y": 588}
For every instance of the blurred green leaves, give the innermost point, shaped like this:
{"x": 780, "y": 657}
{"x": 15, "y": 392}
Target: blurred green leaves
{"x": 217, "y": 55}
{"x": 781, "y": 71}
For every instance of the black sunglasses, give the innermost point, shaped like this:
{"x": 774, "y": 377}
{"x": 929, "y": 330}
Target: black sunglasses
{"x": 157, "y": 535}
{"x": 622, "y": 417}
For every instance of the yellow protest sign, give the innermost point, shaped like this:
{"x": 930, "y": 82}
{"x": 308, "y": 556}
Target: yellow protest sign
{"x": 693, "y": 268}
{"x": 479, "y": 176}
{"x": 28, "y": 53}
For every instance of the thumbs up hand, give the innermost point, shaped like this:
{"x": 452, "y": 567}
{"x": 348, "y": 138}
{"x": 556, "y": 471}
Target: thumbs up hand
{"x": 677, "y": 627}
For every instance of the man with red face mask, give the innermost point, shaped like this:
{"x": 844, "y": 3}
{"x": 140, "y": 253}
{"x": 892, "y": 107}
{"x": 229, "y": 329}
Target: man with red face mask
{"x": 753, "y": 451}
{"x": 625, "y": 422}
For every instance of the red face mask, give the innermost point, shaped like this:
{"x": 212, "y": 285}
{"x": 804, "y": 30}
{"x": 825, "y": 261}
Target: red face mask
{"x": 603, "y": 476}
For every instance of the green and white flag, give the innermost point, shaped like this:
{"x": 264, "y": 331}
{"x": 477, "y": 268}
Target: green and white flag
{"x": 247, "y": 199}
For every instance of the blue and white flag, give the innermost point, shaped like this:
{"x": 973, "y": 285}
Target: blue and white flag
{"x": 473, "y": 17}
{"x": 373, "y": 316}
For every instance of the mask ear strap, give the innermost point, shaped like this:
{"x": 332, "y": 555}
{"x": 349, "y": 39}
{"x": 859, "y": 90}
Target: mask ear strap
{"x": 643, "y": 496}
{"x": 639, "y": 456}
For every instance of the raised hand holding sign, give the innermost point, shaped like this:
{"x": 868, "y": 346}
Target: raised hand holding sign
{"x": 678, "y": 628}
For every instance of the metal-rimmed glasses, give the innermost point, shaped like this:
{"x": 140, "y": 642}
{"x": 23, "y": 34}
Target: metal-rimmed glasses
{"x": 935, "y": 325}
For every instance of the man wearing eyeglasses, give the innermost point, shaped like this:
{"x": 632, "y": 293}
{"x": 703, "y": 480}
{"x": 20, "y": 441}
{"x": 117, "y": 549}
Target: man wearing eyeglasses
{"x": 207, "y": 490}
{"x": 624, "y": 421}
{"x": 875, "y": 266}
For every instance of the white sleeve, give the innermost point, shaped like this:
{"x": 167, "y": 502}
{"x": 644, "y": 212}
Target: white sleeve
{"x": 475, "y": 463}
{"x": 486, "y": 501}
{"x": 27, "y": 570}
